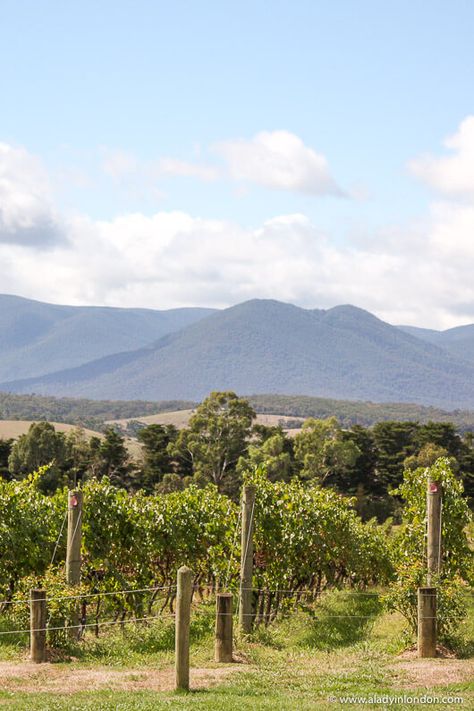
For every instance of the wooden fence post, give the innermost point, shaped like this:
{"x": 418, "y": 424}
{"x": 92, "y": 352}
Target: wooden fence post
{"x": 74, "y": 538}
{"x": 433, "y": 512}
{"x": 427, "y": 622}
{"x": 246, "y": 559}
{"x": 223, "y": 642}
{"x": 38, "y": 625}
{"x": 73, "y": 552}
{"x": 183, "y": 619}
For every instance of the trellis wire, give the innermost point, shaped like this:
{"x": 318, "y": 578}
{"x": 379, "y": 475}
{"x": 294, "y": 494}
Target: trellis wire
{"x": 97, "y": 594}
{"x": 89, "y": 624}
{"x": 59, "y": 538}
{"x": 110, "y": 623}
{"x": 169, "y": 588}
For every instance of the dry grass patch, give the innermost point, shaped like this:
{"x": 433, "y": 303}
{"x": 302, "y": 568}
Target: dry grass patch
{"x": 180, "y": 419}
{"x": 31, "y": 678}
{"x": 413, "y": 673}
{"x": 12, "y": 429}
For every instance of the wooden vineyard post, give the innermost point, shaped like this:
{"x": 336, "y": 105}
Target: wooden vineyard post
{"x": 182, "y": 624}
{"x": 427, "y": 622}
{"x": 224, "y": 624}
{"x": 74, "y": 538}
{"x": 73, "y": 551}
{"x": 246, "y": 559}
{"x": 38, "y": 625}
{"x": 433, "y": 510}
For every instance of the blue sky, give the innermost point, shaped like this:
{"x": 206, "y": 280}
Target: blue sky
{"x": 235, "y": 114}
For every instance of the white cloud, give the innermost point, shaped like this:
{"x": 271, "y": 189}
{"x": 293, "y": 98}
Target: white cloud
{"x": 187, "y": 169}
{"x": 173, "y": 259}
{"x": 453, "y": 174}
{"x": 26, "y": 212}
{"x": 420, "y": 273}
{"x": 278, "y": 159}
{"x": 275, "y": 159}
{"x": 123, "y": 165}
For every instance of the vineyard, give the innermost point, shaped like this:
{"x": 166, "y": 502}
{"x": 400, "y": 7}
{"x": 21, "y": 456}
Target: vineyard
{"x": 308, "y": 545}
{"x": 305, "y": 540}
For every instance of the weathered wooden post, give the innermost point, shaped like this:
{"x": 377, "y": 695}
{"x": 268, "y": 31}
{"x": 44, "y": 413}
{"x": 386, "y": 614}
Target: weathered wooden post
{"x": 38, "y": 625}
{"x": 224, "y": 624}
{"x": 182, "y": 624}
{"x": 73, "y": 551}
{"x": 433, "y": 512}
{"x": 74, "y": 538}
{"x": 246, "y": 559}
{"x": 427, "y": 622}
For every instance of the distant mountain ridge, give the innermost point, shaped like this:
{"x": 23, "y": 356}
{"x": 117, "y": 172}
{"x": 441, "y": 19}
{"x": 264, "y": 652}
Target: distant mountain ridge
{"x": 38, "y": 338}
{"x": 266, "y": 346}
{"x": 458, "y": 340}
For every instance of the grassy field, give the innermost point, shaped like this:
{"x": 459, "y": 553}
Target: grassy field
{"x": 12, "y": 429}
{"x": 180, "y": 419}
{"x": 348, "y": 648}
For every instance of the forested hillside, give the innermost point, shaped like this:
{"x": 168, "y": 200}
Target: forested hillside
{"x": 94, "y": 413}
{"x": 38, "y": 338}
{"x": 76, "y": 411}
{"x": 264, "y": 346}
{"x": 459, "y": 340}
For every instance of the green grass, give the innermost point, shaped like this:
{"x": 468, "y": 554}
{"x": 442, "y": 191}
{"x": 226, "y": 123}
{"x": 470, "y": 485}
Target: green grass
{"x": 295, "y": 664}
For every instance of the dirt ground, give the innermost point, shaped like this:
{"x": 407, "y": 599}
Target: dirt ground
{"x": 413, "y": 673}
{"x": 31, "y": 677}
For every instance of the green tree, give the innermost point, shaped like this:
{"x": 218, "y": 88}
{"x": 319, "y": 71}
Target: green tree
{"x": 79, "y": 455}
{"x": 362, "y": 479}
{"x": 466, "y": 463}
{"x": 395, "y": 441}
{"x": 427, "y": 456}
{"x": 441, "y": 434}
{"x": 112, "y": 459}
{"x": 41, "y": 445}
{"x": 5, "y": 451}
{"x": 322, "y": 450}
{"x": 157, "y": 461}
{"x": 273, "y": 454}
{"x": 217, "y": 436}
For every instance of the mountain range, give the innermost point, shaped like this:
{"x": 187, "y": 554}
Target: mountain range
{"x": 38, "y": 338}
{"x": 259, "y": 346}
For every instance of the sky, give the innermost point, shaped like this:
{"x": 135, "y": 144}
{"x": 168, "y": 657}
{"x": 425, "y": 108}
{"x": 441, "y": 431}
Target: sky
{"x": 164, "y": 154}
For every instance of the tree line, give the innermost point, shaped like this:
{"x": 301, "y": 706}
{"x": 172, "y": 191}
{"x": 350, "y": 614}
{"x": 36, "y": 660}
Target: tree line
{"x": 223, "y": 442}
{"x": 95, "y": 414}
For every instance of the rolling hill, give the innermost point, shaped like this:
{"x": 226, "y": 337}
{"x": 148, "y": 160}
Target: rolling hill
{"x": 38, "y": 338}
{"x": 264, "y": 346}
